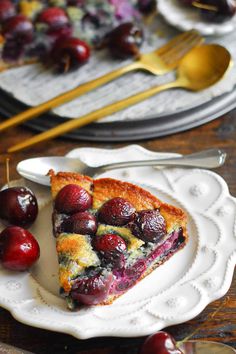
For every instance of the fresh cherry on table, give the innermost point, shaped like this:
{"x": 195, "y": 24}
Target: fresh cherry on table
{"x": 226, "y": 9}
{"x": 124, "y": 41}
{"x": 7, "y": 10}
{"x": 69, "y": 53}
{"x": 19, "y": 250}
{"x": 160, "y": 343}
{"x": 18, "y": 206}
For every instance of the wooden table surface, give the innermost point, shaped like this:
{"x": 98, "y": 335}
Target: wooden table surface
{"x": 220, "y": 133}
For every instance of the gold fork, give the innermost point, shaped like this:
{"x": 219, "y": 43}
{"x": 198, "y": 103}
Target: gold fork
{"x": 158, "y": 62}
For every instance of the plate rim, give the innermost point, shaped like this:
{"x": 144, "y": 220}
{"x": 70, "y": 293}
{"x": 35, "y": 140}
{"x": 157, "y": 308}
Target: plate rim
{"x": 188, "y": 22}
{"x": 14, "y": 309}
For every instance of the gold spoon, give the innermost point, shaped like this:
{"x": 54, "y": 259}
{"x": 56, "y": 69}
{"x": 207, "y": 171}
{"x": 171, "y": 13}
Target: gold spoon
{"x": 200, "y": 68}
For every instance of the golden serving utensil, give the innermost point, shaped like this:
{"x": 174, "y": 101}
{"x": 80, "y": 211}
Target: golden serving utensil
{"x": 202, "y": 67}
{"x": 158, "y": 62}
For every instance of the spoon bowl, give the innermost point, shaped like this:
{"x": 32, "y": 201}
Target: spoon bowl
{"x": 206, "y": 347}
{"x": 204, "y": 66}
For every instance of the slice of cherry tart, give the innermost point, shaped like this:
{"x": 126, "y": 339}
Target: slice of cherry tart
{"x": 109, "y": 235}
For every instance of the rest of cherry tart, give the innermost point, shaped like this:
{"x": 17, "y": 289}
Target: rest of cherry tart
{"x": 109, "y": 235}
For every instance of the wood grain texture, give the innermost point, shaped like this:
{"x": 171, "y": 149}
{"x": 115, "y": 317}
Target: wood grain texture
{"x": 220, "y": 133}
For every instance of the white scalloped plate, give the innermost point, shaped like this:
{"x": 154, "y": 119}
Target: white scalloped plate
{"x": 175, "y": 292}
{"x": 185, "y": 19}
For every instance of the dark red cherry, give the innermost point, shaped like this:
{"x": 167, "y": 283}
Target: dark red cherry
{"x": 18, "y": 206}
{"x": 160, "y": 343}
{"x": 147, "y": 6}
{"x": 61, "y": 32}
{"x": 124, "y": 41}
{"x": 116, "y": 211}
{"x": 92, "y": 290}
{"x": 83, "y": 223}
{"x": 69, "y": 53}
{"x": 7, "y": 10}
{"x": 72, "y": 199}
{"x": 19, "y": 250}
{"x": 53, "y": 17}
{"x": 109, "y": 243}
{"x": 225, "y": 10}
{"x": 149, "y": 226}
{"x": 112, "y": 248}
{"x": 18, "y": 28}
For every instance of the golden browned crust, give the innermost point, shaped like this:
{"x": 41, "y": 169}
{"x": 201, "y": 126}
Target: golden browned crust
{"x": 61, "y": 179}
{"x": 173, "y": 216}
{"x": 108, "y": 188}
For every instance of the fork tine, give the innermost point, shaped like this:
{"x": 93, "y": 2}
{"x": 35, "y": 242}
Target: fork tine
{"x": 175, "y": 42}
{"x": 177, "y": 53}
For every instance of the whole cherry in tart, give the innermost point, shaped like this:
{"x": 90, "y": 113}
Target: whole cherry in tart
{"x": 111, "y": 248}
{"x": 92, "y": 290}
{"x": 116, "y": 211}
{"x": 149, "y": 226}
{"x": 53, "y": 17}
{"x": 83, "y": 223}
{"x": 7, "y": 10}
{"x": 160, "y": 343}
{"x": 69, "y": 53}
{"x": 72, "y": 199}
{"x": 18, "y": 28}
{"x": 19, "y": 250}
{"x": 125, "y": 40}
{"x": 18, "y": 206}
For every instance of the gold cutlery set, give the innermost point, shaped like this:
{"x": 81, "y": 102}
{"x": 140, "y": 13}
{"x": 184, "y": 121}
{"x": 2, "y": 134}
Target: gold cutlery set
{"x": 197, "y": 66}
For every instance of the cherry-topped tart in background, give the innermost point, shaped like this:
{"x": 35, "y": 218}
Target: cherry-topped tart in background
{"x": 60, "y": 33}
{"x": 109, "y": 235}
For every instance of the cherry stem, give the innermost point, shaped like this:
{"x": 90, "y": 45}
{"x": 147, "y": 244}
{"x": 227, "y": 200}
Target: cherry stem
{"x": 7, "y": 172}
{"x": 202, "y": 6}
{"x": 67, "y": 61}
{"x": 202, "y": 325}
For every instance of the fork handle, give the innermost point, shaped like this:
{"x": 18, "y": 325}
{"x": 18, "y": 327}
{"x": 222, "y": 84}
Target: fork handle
{"x": 95, "y": 115}
{"x": 69, "y": 95}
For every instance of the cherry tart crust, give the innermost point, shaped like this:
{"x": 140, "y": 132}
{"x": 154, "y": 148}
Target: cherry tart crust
{"x": 109, "y": 234}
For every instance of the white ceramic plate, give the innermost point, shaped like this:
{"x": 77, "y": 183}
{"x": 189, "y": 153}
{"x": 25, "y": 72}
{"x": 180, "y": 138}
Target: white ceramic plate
{"x": 174, "y": 293}
{"x": 185, "y": 18}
